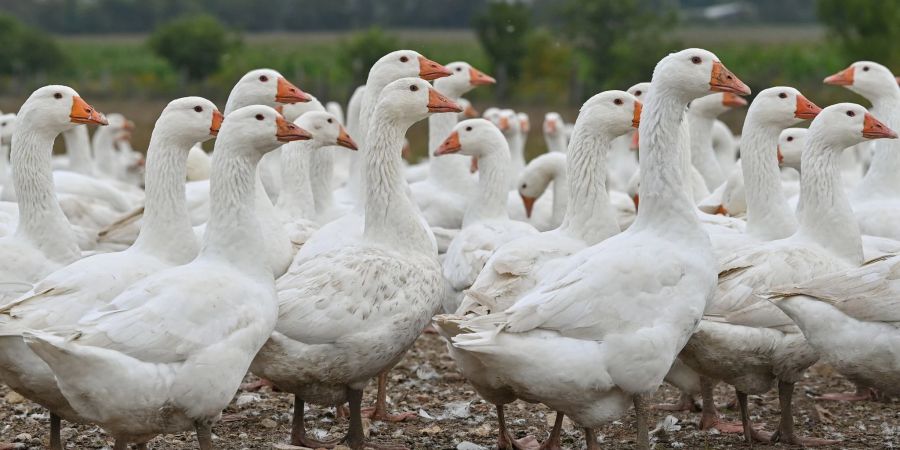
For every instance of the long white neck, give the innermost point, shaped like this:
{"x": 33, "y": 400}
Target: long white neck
{"x": 167, "y": 227}
{"x": 517, "y": 157}
{"x": 4, "y": 166}
{"x": 825, "y": 215}
{"x": 233, "y": 232}
{"x": 769, "y": 216}
{"x": 391, "y": 218}
{"x": 591, "y": 217}
{"x": 41, "y": 220}
{"x": 703, "y": 157}
{"x": 556, "y": 142}
{"x": 105, "y": 156}
{"x": 450, "y": 171}
{"x": 357, "y": 182}
{"x": 560, "y": 178}
{"x": 881, "y": 181}
{"x": 296, "y": 197}
{"x": 321, "y": 171}
{"x": 667, "y": 210}
{"x": 489, "y": 200}
{"x": 78, "y": 149}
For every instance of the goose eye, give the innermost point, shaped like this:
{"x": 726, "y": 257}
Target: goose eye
{"x": 57, "y": 96}
{"x": 618, "y": 101}
{"x": 696, "y": 60}
{"x": 524, "y": 185}
{"x": 851, "y": 113}
{"x": 330, "y": 120}
{"x": 865, "y": 68}
{"x": 260, "y": 117}
{"x": 414, "y": 88}
{"x": 782, "y": 95}
{"x": 263, "y": 78}
{"x": 198, "y": 108}
{"x": 459, "y": 69}
{"x": 637, "y": 93}
{"x": 404, "y": 59}
{"x": 790, "y": 138}
{"x": 468, "y": 128}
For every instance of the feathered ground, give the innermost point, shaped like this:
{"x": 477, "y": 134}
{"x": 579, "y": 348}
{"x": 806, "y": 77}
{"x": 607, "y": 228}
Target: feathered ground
{"x": 452, "y": 416}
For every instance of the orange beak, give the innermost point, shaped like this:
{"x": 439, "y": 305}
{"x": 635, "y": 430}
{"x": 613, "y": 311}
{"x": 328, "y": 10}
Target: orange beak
{"x": 721, "y": 211}
{"x": 722, "y": 80}
{"x": 874, "y": 129}
{"x": 550, "y": 126}
{"x": 635, "y": 140}
{"x": 529, "y": 204}
{"x": 780, "y": 156}
{"x": 287, "y": 132}
{"x": 216, "y": 123}
{"x": 438, "y": 103}
{"x": 470, "y": 112}
{"x": 479, "y": 78}
{"x": 806, "y": 109}
{"x": 430, "y": 70}
{"x": 473, "y": 166}
{"x": 842, "y": 78}
{"x": 344, "y": 139}
{"x": 288, "y": 93}
{"x": 524, "y": 126}
{"x": 279, "y": 108}
{"x": 733, "y": 101}
{"x": 636, "y": 119}
{"x": 129, "y": 125}
{"x": 637, "y": 200}
{"x": 504, "y": 124}
{"x": 450, "y": 145}
{"x": 86, "y": 114}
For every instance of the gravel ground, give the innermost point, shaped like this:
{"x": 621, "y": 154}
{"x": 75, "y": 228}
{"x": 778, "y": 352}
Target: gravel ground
{"x": 452, "y": 416}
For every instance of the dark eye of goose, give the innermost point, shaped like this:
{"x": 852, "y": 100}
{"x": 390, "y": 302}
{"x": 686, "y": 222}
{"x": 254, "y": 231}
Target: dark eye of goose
{"x": 198, "y": 108}
{"x": 414, "y": 88}
{"x": 637, "y": 93}
{"x": 260, "y": 117}
{"x": 468, "y": 128}
{"x": 459, "y": 69}
{"x": 57, "y": 96}
{"x": 404, "y": 59}
{"x": 851, "y": 113}
{"x": 696, "y": 60}
{"x": 330, "y": 120}
{"x": 782, "y": 95}
{"x": 263, "y": 78}
{"x": 790, "y": 138}
{"x": 865, "y": 68}
{"x": 524, "y": 185}
{"x": 618, "y": 101}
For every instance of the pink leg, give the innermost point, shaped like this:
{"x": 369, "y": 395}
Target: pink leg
{"x": 861, "y": 394}
{"x": 506, "y": 442}
{"x": 552, "y": 443}
{"x": 785, "y": 432}
{"x": 379, "y": 412}
{"x": 750, "y": 434}
{"x": 709, "y": 418}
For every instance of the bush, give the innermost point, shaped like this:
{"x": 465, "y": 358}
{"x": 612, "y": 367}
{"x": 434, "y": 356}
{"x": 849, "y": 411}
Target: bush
{"x": 25, "y": 49}
{"x": 502, "y": 29}
{"x": 864, "y": 29}
{"x": 363, "y": 49}
{"x": 194, "y": 45}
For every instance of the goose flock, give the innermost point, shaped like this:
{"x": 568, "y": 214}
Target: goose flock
{"x": 136, "y": 294}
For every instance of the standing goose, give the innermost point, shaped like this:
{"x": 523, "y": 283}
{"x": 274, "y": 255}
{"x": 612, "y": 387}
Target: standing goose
{"x": 703, "y": 113}
{"x": 746, "y": 341}
{"x": 64, "y": 296}
{"x": 168, "y": 353}
{"x": 486, "y": 225}
{"x": 601, "y": 331}
{"x": 43, "y": 240}
{"x": 350, "y": 313}
{"x": 515, "y": 267}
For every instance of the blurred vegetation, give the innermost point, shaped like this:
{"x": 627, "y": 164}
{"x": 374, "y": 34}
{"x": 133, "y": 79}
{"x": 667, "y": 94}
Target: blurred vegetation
{"x": 364, "y": 49}
{"x": 864, "y": 29}
{"x": 503, "y": 28}
{"x": 24, "y": 49}
{"x": 193, "y": 44}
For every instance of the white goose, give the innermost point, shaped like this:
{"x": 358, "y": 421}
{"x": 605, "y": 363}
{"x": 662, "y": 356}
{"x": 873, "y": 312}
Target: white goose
{"x": 486, "y": 225}
{"x": 623, "y": 155}
{"x": 602, "y": 330}
{"x": 515, "y": 267}
{"x": 66, "y": 295}
{"x": 539, "y": 174}
{"x": 442, "y": 197}
{"x": 702, "y": 114}
{"x": 876, "y": 200}
{"x": 168, "y": 353}
{"x": 746, "y": 341}
{"x": 381, "y": 290}
{"x": 43, "y": 240}
{"x": 554, "y": 128}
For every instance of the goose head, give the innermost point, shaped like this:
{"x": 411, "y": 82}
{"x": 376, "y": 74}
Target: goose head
{"x": 866, "y": 78}
{"x": 639, "y": 90}
{"x": 264, "y": 87}
{"x": 54, "y": 109}
{"x": 7, "y": 126}
{"x": 409, "y": 100}
{"x": 693, "y": 73}
{"x": 508, "y": 123}
{"x": 610, "y": 114}
{"x": 463, "y": 78}
{"x": 535, "y": 179}
{"x": 259, "y": 129}
{"x": 781, "y": 107}
{"x": 469, "y": 111}
{"x": 195, "y": 119}
{"x": 473, "y": 137}
{"x": 404, "y": 64}
{"x": 325, "y": 129}
{"x": 294, "y": 110}
{"x": 492, "y": 114}
{"x": 844, "y": 125}
{"x": 790, "y": 147}
{"x": 524, "y": 122}
{"x": 713, "y": 105}
{"x": 553, "y": 124}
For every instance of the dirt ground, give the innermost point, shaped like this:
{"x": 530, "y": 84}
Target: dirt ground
{"x": 452, "y": 416}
